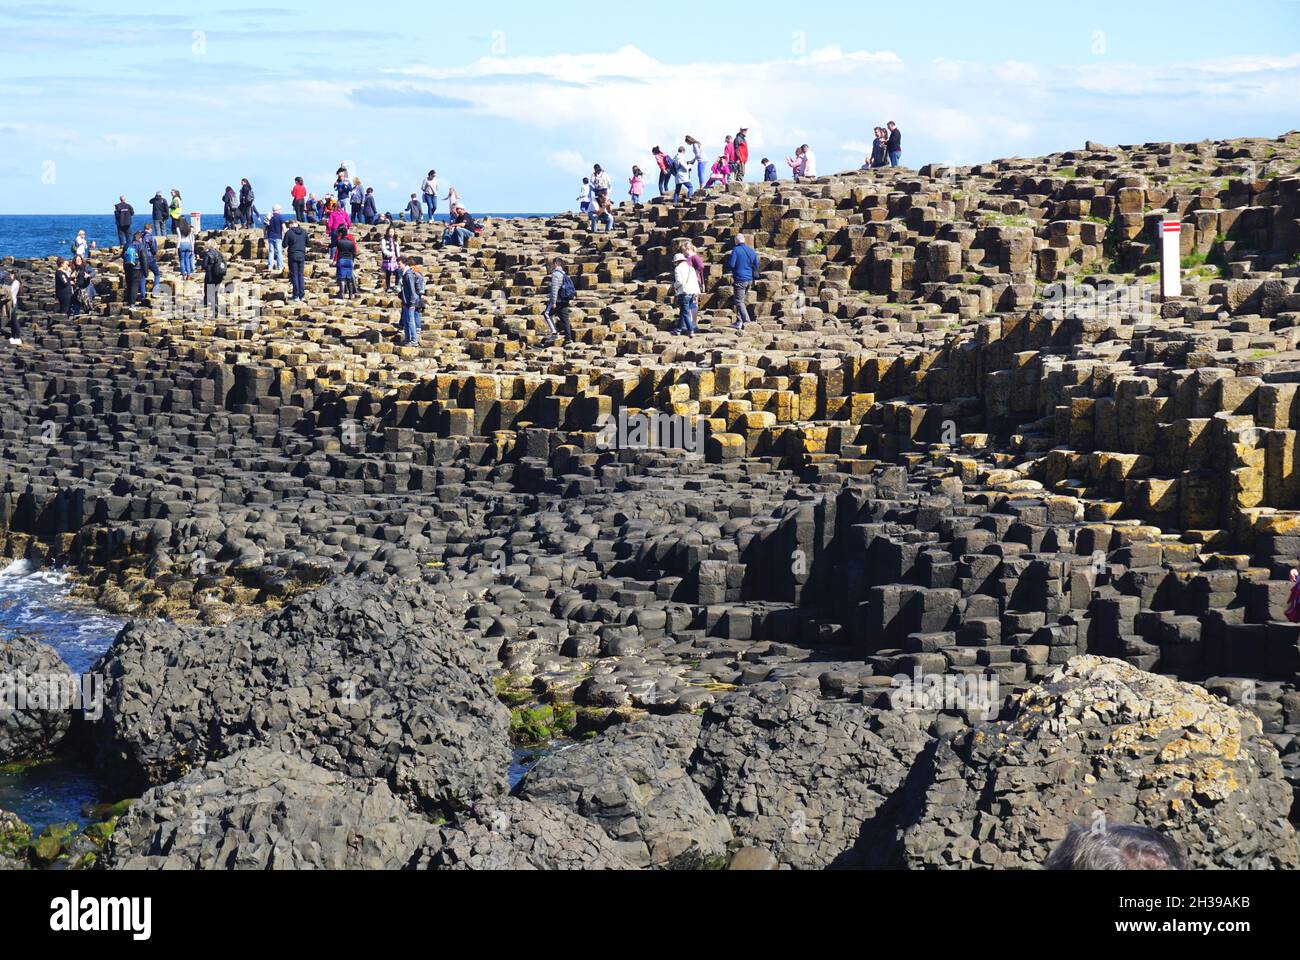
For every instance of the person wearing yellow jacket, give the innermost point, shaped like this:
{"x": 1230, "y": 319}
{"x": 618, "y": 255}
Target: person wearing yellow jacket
{"x": 174, "y": 211}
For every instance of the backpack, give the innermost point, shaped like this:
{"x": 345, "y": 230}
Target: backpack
{"x": 131, "y": 256}
{"x": 217, "y": 264}
{"x": 1293, "y": 604}
{"x": 567, "y": 290}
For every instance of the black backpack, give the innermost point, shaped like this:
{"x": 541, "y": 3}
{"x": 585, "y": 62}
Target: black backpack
{"x": 216, "y": 264}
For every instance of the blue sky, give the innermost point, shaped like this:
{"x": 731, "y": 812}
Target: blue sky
{"x": 512, "y": 101}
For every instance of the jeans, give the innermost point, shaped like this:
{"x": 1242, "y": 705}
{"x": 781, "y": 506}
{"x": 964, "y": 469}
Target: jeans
{"x": 123, "y": 236}
{"x": 295, "y": 278}
{"x": 738, "y": 300}
{"x": 607, "y": 219}
{"x": 159, "y": 227}
{"x": 690, "y": 190}
{"x": 300, "y": 211}
{"x": 894, "y": 157}
{"x": 665, "y": 178}
{"x": 187, "y": 261}
{"x": 275, "y": 254}
{"x": 431, "y": 205}
{"x": 457, "y": 236}
{"x": 688, "y": 303}
{"x": 410, "y": 325}
{"x": 210, "y": 296}
{"x": 702, "y": 170}
{"x": 738, "y": 169}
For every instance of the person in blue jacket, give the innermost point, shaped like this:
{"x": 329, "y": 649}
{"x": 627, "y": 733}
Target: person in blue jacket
{"x": 743, "y": 267}
{"x": 368, "y": 210}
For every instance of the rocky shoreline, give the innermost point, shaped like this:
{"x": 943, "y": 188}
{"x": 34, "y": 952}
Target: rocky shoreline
{"x": 357, "y": 569}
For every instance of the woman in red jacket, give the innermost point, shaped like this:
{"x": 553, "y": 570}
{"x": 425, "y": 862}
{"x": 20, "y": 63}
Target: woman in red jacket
{"x": 299, "y": 200}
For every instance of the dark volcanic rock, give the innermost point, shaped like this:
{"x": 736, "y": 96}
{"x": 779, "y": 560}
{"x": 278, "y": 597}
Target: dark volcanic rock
{"x": 30, "y": 669}
{"x": 1101, "y": 738}
{"x": 632, "y": 781}
{"x": 266, "y": 810}
{"x": 368, "y": 679}
{"x": 800, "y": 776}
{"x": 14, "y": 837}
{"x": 512, "y": 834}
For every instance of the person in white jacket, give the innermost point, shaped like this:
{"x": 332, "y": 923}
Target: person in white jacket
{"x": 686, "y": 287}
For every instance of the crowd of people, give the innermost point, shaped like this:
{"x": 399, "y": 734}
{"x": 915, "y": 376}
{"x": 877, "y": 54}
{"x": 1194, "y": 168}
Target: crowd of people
{"x": 685, "y": 170}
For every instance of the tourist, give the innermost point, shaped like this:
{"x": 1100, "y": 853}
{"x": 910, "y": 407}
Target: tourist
{"x": 585, "y": 198}
{"x": 123, "y": 216}
{"x": 636, "y": 186}
{"x": 336, "y": 218}
{"x": 697, "y": 264}
{"x": 369, "y": 211}
{"x": 295, "y": 251}
{"x": 160, "y": 214}
{"x": 83, "y": 287}
{"x": 729, "y": 154}
{"x": 461, "y": 228}
{"x": 895, "y": 144}
{"x": 880, "y": 148}
{"x": 682, "y": 175}
{"x": 185, "y": 249}
{"x": 600, "y": 185}
{"x": 150, "y": 259}
{"x": 313, "y": 215}
{"x": 559, "y": 299}
{"x": 342, "y": 186}
{"x": 802, "y": 164}
{"x": 665, "y": 174}
{"x": 430, "y": 191}
{"x": 1117, "y": 847}
{"x": 741, "y": 144}
{"x": 131, "y": 269}
{"x": 743, "y": 267}
{"x": 245, "y": 203}
{"x": 80, "y": 246}
{"x": 602, "y": 210}
{"x": 142, "y": 264}
{"x": 230, "y": 208}
{"x": 390, "y": 257}
{"x": 696, "y": 159}
{"x": 345, "y": 262}
{"x": 357, "y": 199}
{"x": 299, "y": 195}
{"x": 769, "y": 171}
{"x": 686, "y": 287}
{"x": 63, "y": 286}
{"x": 214, "y": 272}
{"x": 175, "y": 211}
{"x": 414, "y": 210}
{"x": 9, "y": 287}
{"x": 452, "y": 198}
{"x": 275, "y": 240}
{"x": 409, "y": 295}
{"x": 720, "y": 172}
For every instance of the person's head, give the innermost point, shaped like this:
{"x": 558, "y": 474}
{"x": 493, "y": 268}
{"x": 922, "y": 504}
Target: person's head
{"x": 176, "y": 193}
{"x": 656, "y": 152}
{"x": 81, "y": 234}
{"x": 60, "y": 263}
{"x": 78, "y": 261}
{"x": 729, "y": 139}
{"x": 893, "y": 125}
{"x": 586, "y": 180}
{"x": 804, "y": 148}
{"x": 356, "y": 181}
{"x": 148, "y": 228}
{"x": 691, "y": 141}
{"x": 244, "y": 181}
{"x": 688, "y": 247}
{"x": 184, "y": 227}
{"x": 122, "y": 199}
{"x": 740, "y": 239}
{"x": 765, "y": 161}
{"x": 596, "y": 169}
{"x": 1115, "y": 848}
{"x": 413, "y": 197}
{"x": 137, "y": 236}
{"x": 744, "y": 130}
{"x": 298, "y": 181}
{"x": 681, "y": 149}
{"x": 275, "y": 208}
{"x": 636, "y": 171}
{"x": 557, "y": 263}
{"x": 680, "y": 258}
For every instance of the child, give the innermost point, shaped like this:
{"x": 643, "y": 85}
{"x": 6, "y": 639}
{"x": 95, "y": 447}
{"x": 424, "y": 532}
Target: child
{"x": 769, "y": 171}
{"x": 637, "y": 184}
{"x": 585, "y": 196}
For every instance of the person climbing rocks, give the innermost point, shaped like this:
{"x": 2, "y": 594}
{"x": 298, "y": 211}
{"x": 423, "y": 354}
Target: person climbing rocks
{"x": 697, "y": 264}
{"x": 585, "y": 197}
{"x": 131, "y": 269}
{"x": 696, "y": 160}
{"x": 681, "y": 169}
{"x": 602, "y": 211}
{"x": 665, "y": 174}
{"x": 686, "y": 288}
{"x": 742, "y": 264}
{"x": 636, "y": 185}
{"x": 295, "y": 252}
{"x": 769, "y": 171}
{"x": 559, "y": 300}
{"x": 123, "y": 217}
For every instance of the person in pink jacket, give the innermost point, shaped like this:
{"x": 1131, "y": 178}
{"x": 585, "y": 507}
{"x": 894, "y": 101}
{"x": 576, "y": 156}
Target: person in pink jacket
{"x": 729, "y": 152}
{"x": 636, "y": 186}
{"x": 719, "y": 172}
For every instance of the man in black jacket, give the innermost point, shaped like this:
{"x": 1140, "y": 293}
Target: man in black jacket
{"x": 214, "y": 274}
{"x": 123, "y": 214}
{"x": 295, "y": 251}
{"x": 160, "y": 213}
{"x": 245, "y": 203}
{"x": 895, "y": 144}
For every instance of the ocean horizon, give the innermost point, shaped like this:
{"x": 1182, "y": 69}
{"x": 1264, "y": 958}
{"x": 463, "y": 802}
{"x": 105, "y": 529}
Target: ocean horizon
{"x": 33, "y": 236}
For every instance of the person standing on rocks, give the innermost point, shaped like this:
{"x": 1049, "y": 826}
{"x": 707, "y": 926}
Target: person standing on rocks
{"x": 131, "y": 269}
{"x": 80, "y": 246}
{"x": 769, "y": 171}
{"x": 729, "y": 153}
{"x": 313, "y": 215}
{"x": 636, "y": 186}
{"x": 390, "y": 258}
{"x": 452, "y": 198}
{"x": 141, "y": 245}
{"x": 665, "y": 175}
{"x": 358, "y": 201}
{"x": 295, "y": 251}
{"x": 697, "y": 264}
{"x": 185, "y": 249}
{"x": 175, "y": 210}
{"x": 275, "y": 241}
{"x": 214, "y": 274}
{"x": 413, "y": 209}
{"x": 682, "y": 175}
{"x": 686, "y": 287}
{"x": 408, "y": 289}
{"x": 895, "y": 144}
{"x": 299, "y": 195}
{"x": 879, "y": 148}
{"x": 63, "y": 286}
{"x": 345, "y": 249}
{"x": 429, "y": 190}
{"x": 159, "y": 213}
{"x": 246, "y": 198}
{"x": 584, "y": 197}
{"x": 741, "y": 144}
{"x": 743, "y": 267}
{"x": 368, "y": 209}
{"x": 150, "y": 242}
{"x": 342, "y": 187}
{"x": 230, "y": 208}
{"x": 123, "y": 216}
{"x": 697, "y": 157}
{"x": 559, "y": 299}
{"x": 9, "y": 287}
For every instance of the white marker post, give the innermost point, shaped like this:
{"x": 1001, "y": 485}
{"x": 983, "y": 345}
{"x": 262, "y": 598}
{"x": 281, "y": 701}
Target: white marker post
{"x": 1171, "y": 259}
